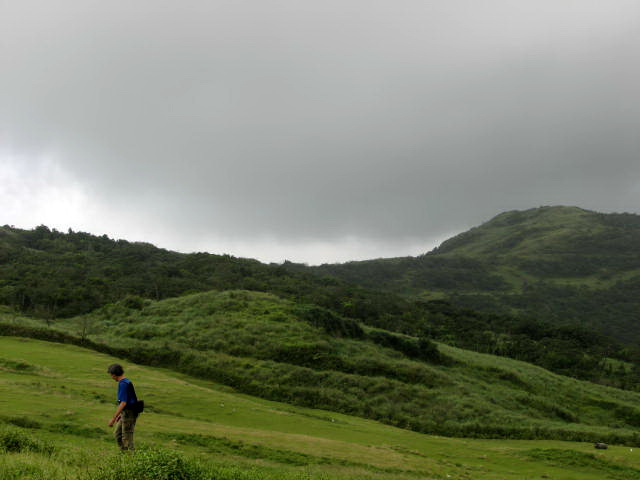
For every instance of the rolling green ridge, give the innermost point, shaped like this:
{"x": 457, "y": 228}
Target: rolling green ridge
{"x": 564, "y": 265}
{"x": 57, "y": 399}
{"x": 212, "y": 330}
{"x": 51, "y": 275}
{"x": 263, "y": 345}
{"x": 54, "y": 275}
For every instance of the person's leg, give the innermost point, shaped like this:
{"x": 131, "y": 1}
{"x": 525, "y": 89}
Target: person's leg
{"x": 118, "y": 434}
{"x": 128, "y": 425}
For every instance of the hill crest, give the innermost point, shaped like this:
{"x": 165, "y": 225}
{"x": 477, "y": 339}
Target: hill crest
{"x": 523, "y": 231}
{"x": 562, "y": 264}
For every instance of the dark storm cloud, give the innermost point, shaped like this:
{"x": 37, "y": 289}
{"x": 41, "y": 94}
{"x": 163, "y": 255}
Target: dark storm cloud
{"x": 385, "y": 122}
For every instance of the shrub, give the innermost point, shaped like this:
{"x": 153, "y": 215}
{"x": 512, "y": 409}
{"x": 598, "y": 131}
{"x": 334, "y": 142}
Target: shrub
{"x": 422, "y": 349}
{"x": 13, "y": 440}
{"x": 17, "y": 366}
{"x": 430, "y": 353}
{"x": 317, "y": 355}
{"x": 22, "y": 470}
{"x": 24, "y": 422}
{"x": 330, "y": 322}
{"x": 150, "y": 464}
{"x": 133, "y": 302}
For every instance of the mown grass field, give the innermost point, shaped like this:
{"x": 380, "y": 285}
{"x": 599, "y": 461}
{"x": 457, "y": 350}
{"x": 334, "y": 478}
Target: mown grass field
{"x": 61, "y": 394}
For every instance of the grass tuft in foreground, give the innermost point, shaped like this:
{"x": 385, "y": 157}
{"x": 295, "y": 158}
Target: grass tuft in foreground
{"x": 13, "y": 440}
{"x": 153, "y": 463}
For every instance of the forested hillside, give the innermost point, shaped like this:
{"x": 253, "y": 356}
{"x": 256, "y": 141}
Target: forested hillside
{"x": 51, "y": 275}
{"x": 563, "y": 265}
{"x": 54, "y": 275}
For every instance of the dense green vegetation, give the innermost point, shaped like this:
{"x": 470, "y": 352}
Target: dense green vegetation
{"x": 53, "y": 276}
{"x": 527, "y": 285}
{"x": 14, "y": 440}
{"x": 570, "y": 350}
{"x": 261, "y": 345}
{"x": 61, "y": 399}
{"x": 562, "y": 265}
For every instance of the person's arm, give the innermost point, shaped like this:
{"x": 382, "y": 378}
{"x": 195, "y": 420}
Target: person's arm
{"x": 116, "y": 416}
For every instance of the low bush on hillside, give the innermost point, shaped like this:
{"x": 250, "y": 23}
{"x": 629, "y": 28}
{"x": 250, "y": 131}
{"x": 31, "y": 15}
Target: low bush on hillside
{"x": 16, "y": 366}
{"x": 21, "y": 471}
{"x": 24, "y": 422}
{"x": 330, "y": 322}
{"x": 421, "y": 349}
{"x": 14, "y": 440}
{"x": 149, "y": 464}
{"x": 162, "y": 464}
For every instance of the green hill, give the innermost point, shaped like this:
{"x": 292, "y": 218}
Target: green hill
{"x": 262, "y": 345}
{"x": 57, "y": 400}
{"x": 313, "y": 339}
{"x": 49, "y": 274}
{"x": 54, "y": 275}
{"x": 565, "y": 265}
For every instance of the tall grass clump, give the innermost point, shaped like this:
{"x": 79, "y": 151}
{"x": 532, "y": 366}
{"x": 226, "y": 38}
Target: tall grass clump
{"x": 149, "y": 464}
{"x": 21, "y": 470}
{"x": 14, "y": 440}
{"x": 154, "y": 463}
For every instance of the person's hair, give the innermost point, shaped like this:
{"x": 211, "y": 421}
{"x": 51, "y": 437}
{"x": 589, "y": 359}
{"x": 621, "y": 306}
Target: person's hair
{"x": 115, "y": 369}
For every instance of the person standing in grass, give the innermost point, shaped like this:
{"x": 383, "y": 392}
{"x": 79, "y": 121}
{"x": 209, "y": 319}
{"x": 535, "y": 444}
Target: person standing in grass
{"x": 126, "y": 414}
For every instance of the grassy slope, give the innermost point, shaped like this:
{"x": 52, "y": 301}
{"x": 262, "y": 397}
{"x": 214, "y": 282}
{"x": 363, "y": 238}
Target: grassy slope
{"x": 62, "y": 386}
{"x": 521, "y": 233}
{"x": 255, "y": 342}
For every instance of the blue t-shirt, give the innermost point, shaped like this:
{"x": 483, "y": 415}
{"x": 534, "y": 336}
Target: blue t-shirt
{"x": 126, "y": 392}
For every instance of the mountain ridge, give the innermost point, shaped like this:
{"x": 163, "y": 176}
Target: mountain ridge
{"x": 492, "y": 307}
{"x": 565, "y": 264}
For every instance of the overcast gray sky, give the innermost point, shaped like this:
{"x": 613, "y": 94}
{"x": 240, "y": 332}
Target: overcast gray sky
{"x": 314, "y": 131}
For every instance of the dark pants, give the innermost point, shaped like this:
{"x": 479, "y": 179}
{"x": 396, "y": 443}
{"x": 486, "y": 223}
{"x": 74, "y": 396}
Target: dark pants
{"x": 124, "y": 430}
